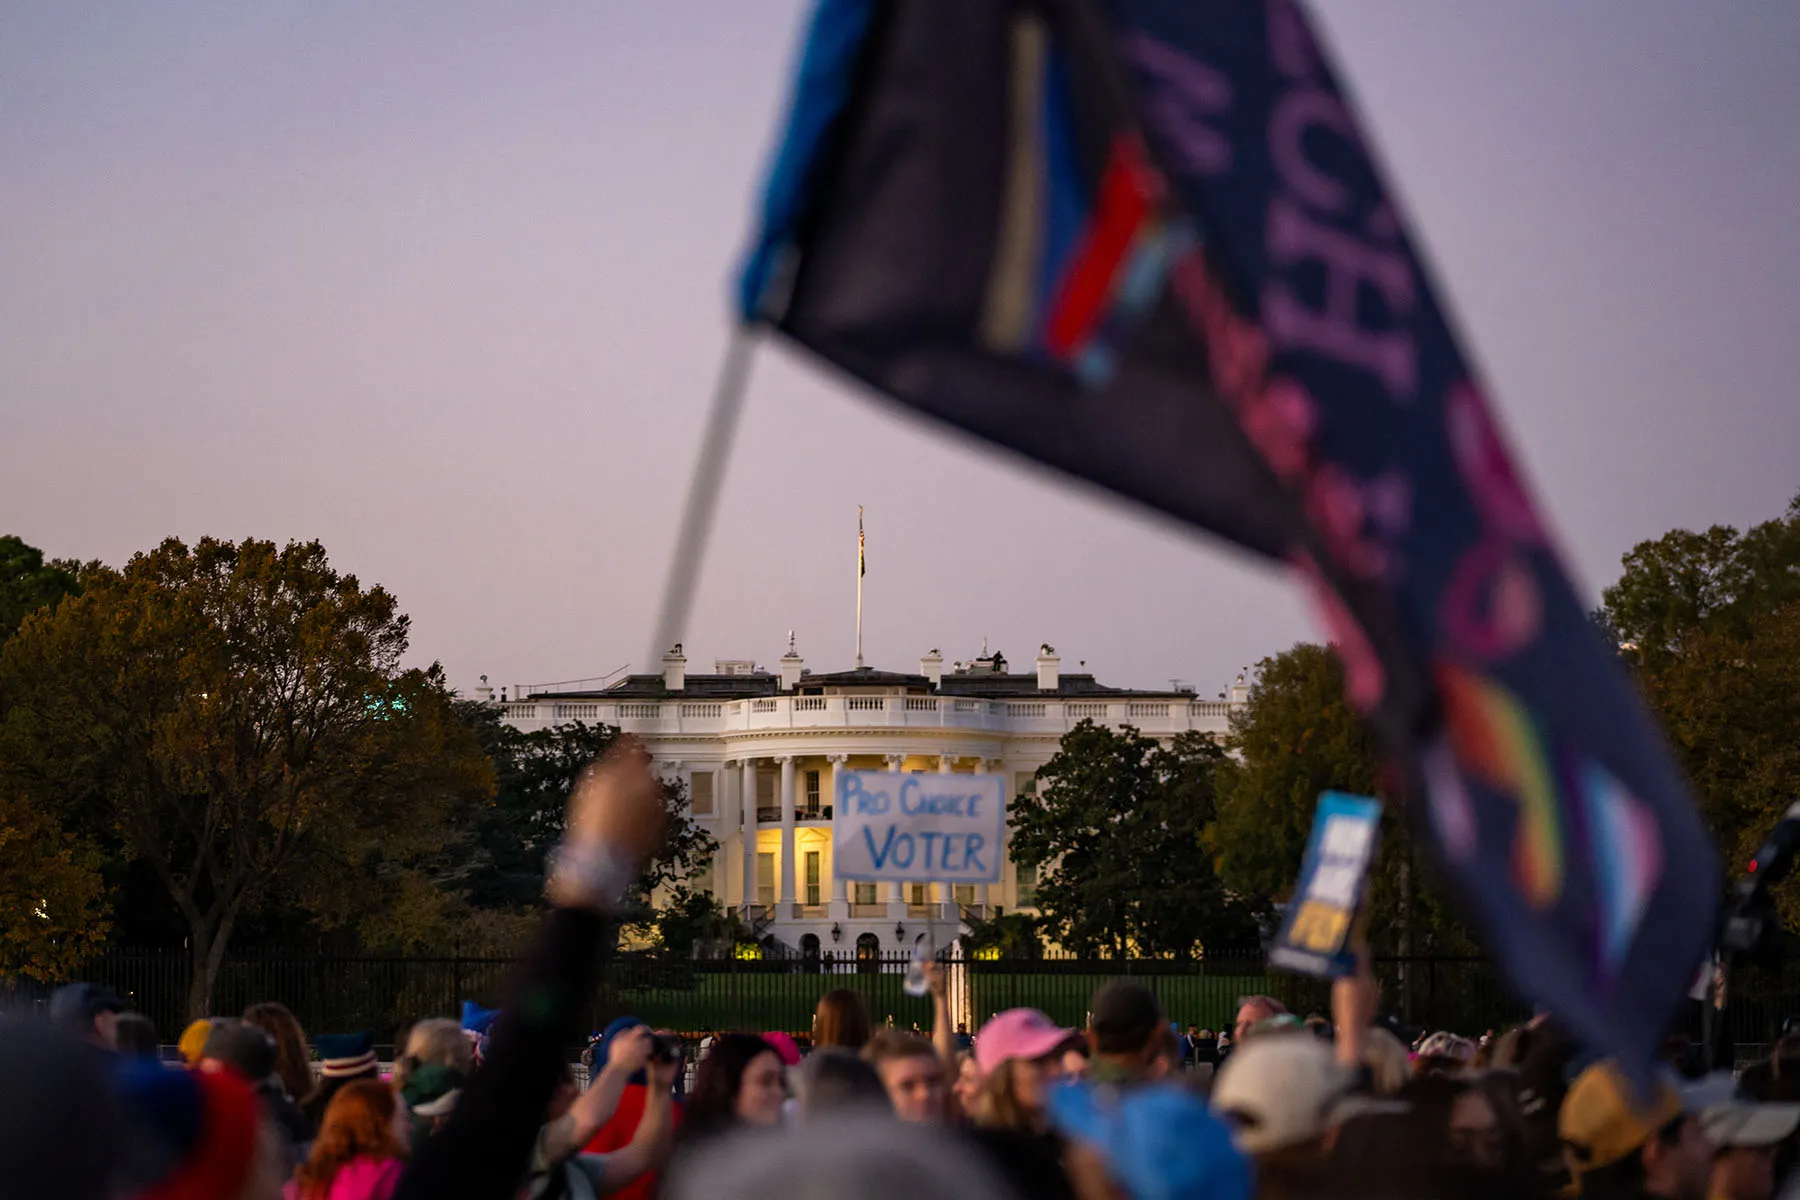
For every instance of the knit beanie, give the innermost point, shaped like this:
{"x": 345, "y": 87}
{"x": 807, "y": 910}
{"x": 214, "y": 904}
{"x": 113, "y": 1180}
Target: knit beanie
{"x": 190, "y": 1135}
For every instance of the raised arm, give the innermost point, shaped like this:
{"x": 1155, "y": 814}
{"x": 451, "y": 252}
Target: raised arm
{"x": 648, "y": 1149}
{"x": 615, "y": 823}
{"x": 625, "y": 1056}
{"x": 943, "y": 1034}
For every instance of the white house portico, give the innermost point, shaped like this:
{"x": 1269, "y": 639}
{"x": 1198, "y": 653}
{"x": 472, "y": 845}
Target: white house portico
{"x": 760, "y": 752}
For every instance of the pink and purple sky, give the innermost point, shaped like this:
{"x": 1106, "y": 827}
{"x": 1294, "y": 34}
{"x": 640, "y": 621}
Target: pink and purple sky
{"x": 443, "y": 284}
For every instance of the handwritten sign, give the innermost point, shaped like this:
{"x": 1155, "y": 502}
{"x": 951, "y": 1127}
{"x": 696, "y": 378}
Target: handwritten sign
{"x": 919, "y": 828}
{"x": 1315, "y": 938}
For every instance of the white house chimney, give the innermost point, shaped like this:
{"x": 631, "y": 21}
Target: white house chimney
{"x": 484, "y": 693}
{"x": 1049, "y": 668}
{"x": 1240, "y": 690}
{"x": 792, "y": 666}
{"x": 932, "y": 667}
{"x": 675, "y": 669}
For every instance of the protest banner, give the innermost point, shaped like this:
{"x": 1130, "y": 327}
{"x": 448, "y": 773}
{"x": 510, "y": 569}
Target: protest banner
{"x": 918, "y": 828}
{"x": 1316, "y": 937}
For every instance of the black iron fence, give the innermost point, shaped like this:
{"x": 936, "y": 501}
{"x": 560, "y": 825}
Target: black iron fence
{"x": 746, "y": 989}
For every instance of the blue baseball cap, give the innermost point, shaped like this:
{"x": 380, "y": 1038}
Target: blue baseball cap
{"x": 1160, "y": 1142}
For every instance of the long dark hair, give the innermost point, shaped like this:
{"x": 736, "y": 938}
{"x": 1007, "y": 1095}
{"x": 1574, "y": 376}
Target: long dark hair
{"x": 842, "y": 1019}
{"x": 292, "y": 1062}
{"x": 711, "y": 1107}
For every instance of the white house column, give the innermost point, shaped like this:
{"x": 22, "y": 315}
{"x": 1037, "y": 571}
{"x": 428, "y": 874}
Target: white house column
{"x": 787, "y": 897}
{"x": 943, "y": 894}
{"x": 747, "y": 796}
{"x": 894, "y": 894}
{"x": 988, "y": 766}
{"x": 840, "y": 887}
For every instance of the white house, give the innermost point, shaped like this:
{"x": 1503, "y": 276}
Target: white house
{"x": 759, "y": 751}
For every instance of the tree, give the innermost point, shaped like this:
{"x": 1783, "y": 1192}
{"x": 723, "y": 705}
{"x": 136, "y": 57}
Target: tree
{"x": 1296, "y": 738}
{"x": 52, "y": 895}
{"x": 1114, "y": 822}
{"x": 1712, "y": 625}
{"x": 1730, "y": 706}
{"x": 223, "y": 713}
{"x": 1009, "y": 935}
{"x": 27, "y": 583}
{"x": 1719, "y": 581}
{"x": 535, "y": 772}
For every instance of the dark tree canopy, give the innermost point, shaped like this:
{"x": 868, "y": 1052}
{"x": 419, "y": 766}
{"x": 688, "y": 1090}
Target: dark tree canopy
{"x": 236, "y": 718}
{"x": 28, "y": 583}
{"x": 1114, "y": 821}
{"x": 1719, "y": 581}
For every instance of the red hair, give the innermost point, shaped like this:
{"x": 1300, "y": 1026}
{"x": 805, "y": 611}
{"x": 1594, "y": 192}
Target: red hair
{"x": 359, "y": 1123}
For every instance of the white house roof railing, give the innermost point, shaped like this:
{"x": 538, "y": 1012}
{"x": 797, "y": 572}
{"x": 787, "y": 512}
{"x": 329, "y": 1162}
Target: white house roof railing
{"x": 680, "y": 717}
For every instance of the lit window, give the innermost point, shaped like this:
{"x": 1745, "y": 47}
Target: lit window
{"x": 765, "y": 877}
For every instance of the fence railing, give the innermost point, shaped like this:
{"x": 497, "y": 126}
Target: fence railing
{"x": 748, "y": 988}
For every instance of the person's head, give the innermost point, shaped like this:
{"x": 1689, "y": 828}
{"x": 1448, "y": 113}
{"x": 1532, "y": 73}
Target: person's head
{"x": 1154, "y": 1140}
{"x": 242, "y": 1047}
{"x": 60, "y": 1129}
{"x": 739, "y": 1083}
{"x": 88, "y": 1011}
{"x": 364, "y": 1120}
{"x": 1458, "y": 1119}
{"x": 1193, "y": 1031}
{"x": 1020, "y": 1055}
{"x": 345, "y": 1056}
{"x": 1253, "y": 1011}
{"x": 193, "y": 1040}
{"x": 1619, "y": 1144}
{"x": 911, "y": 1072}
{"x": 1746, "y": 1137}
{"x": 1075, "y": 1057}
{"x": 1444, "y": 1054}
{"x": 834, "y": 1079}
{"x": 134, "y": 1035}
{"x": 968, "y": 1082}
{"x": 292, "y": 1062}
{"x": 858, "y": 1154}
{"x": 439, "y": 1042}
{"x": 842, "y": 1019}
{"x": 1126, "y": 1026}
{"x": 1386, "y": 1058}
{"x": 1167, "y": 1056}
{"x": 1285, "y": 1093}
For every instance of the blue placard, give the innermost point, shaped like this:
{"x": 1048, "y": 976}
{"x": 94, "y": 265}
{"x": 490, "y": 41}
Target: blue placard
{"x": 1315, "y": 938}
{"x": 918, "y": 828}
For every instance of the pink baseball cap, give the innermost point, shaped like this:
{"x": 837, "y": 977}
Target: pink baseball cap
{"x": 1017, "y": 1033}
{"x": 784, "y": 1046}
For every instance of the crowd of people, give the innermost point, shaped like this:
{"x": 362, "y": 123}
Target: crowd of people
{"x": 1126, "y": 1106}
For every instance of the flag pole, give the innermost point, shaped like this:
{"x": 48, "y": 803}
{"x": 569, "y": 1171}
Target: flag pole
{"x": 860, "y": 569}
{"x": 703, "y": 494}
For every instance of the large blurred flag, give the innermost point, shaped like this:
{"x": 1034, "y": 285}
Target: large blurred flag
{"x": 1145, "y": 242}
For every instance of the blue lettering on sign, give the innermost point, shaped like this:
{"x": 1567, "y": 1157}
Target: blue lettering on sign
{"x": 891, "y": 846}
{"x": 916, "y": 827}
{"x": 865, "y": 802}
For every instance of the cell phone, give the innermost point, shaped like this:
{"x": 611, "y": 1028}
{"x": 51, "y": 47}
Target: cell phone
{"x": 923, "y": 951}
{"x": 665, "y": 1047}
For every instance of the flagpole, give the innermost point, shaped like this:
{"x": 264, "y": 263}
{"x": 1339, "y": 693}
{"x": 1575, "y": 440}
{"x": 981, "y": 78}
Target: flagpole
{"x": 859, "y": 578}
{"x": 703, "y": 495}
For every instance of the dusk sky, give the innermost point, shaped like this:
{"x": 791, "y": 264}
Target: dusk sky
{"x": 443, "y": 285}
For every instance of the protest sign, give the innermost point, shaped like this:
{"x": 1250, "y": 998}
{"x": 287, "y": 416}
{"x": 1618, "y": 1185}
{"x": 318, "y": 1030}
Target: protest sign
{"x": 1315, "y": 938}
{"x": 918, "y": 828}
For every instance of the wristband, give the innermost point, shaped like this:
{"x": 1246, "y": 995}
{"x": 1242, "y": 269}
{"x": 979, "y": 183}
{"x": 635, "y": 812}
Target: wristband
{"x": 589, "y": 875}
